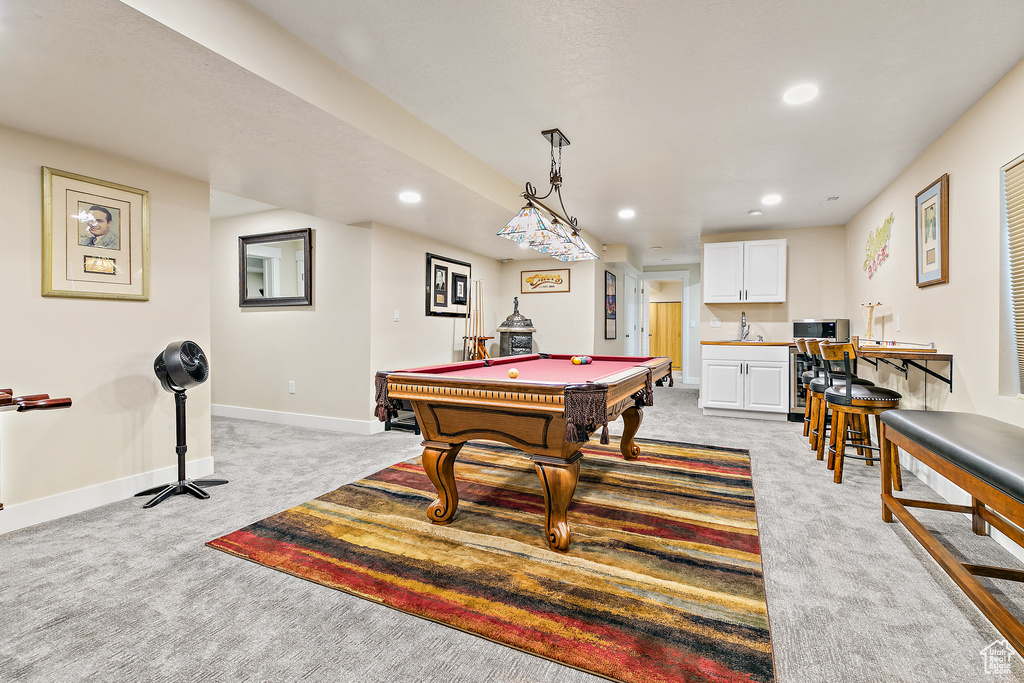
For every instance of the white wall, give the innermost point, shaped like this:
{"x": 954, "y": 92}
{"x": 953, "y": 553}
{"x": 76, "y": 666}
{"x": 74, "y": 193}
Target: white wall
{"x": 666, "y": 291}
{"x": 963, "y": 316}
{"x": 565, "y": 321}
{"x": 398, "y": 266}
{"x": 323, "y": 348}
{"x": 810, "y": 292}
{"x": 617, "y": 346}
{"x": 98, "y": 352}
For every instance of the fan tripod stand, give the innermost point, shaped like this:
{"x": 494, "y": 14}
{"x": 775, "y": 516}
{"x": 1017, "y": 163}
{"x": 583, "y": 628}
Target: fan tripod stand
{"x": 183, "y": 485}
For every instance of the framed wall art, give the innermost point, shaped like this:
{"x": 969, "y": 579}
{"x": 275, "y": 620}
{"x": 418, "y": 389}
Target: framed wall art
{"x": 533, "y": 281}
{"x": 95, "y": 238}
{"x": 609, "y": 305}
{"x": 447, "y": 286}
{"x": 932, "y": 209}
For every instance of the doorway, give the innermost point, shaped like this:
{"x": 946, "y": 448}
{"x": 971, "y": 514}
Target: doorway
{"x": 667, "y": 331}
{"x": 666, "y": 305}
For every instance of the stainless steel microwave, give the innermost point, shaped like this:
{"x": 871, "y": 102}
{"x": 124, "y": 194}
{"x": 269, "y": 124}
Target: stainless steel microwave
{"x": 836, "y": 329}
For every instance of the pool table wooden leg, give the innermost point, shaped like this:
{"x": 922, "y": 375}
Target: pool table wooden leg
{"x": 559, "y": 484}
{"x": 439, "y": 463}
{"x": 631, "y": 419}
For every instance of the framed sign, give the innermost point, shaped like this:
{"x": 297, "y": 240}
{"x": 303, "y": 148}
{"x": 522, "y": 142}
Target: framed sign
{"x": 932, "y": 211}
{"x": 447, "y": 286}
{"x": 609, "y": 305}
{"x": 95, "y": 238}
{"x": 531, "y": 281}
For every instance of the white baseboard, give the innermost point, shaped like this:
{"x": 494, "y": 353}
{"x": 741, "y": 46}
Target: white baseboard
{"x": 14, "y": 517}
{"x": 334, "y": 424}
{"x": 692, "y": 380}
{"x": 955, "y": 495}
{"x": 745, "y": 414}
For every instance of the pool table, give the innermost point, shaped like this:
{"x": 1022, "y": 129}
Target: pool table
{"x": 548, "y": 411}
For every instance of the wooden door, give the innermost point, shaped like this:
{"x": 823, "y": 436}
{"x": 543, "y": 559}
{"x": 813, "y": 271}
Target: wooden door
{"x": 667, "y": 332}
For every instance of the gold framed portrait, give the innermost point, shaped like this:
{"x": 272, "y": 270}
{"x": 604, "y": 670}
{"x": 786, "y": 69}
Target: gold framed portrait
{"x": 95, "y": 238}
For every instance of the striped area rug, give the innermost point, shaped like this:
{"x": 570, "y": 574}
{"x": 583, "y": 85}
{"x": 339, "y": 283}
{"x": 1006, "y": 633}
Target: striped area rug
{"x": 662, "y": 582}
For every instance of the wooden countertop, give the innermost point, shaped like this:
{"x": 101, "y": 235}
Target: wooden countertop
{"x": 897, "y": 352}
{"x": 747, "y": 343}
{"x": 904, "y": 354}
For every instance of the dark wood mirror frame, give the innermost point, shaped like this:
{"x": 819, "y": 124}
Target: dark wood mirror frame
{"x": 305, "y": 298}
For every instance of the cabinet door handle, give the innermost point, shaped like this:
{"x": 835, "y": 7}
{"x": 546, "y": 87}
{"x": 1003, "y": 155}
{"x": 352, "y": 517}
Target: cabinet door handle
{"x": 746, "y": 294}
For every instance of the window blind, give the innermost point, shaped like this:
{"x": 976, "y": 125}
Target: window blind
{"x": 1013, "y": 195}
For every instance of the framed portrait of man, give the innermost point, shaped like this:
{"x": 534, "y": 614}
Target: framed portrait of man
{"x": 95, "y": 238}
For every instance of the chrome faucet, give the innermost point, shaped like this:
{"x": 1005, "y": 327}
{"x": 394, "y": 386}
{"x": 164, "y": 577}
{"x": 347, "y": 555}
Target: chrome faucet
{"x": 744, "y": 327}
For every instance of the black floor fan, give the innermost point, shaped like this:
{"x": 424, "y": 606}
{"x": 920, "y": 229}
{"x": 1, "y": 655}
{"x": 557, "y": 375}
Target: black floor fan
{"x": 180, "y": 366}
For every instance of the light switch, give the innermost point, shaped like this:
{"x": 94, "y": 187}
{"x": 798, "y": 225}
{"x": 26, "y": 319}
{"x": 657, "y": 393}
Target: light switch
{"x": 396, "y": 315}
{"x": 291, "y": 387}
{"x": 716, "y": 322}
{"x": 693, "y": 324}
{"x": 899, "y": 322}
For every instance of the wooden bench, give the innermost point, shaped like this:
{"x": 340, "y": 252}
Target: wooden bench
{"x": 984, "y": 457}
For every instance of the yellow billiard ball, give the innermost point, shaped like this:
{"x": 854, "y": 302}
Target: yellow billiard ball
{"x": 513, "y": 373}
{"x": 576, "y": 360}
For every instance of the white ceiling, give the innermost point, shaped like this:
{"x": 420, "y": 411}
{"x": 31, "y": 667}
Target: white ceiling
{"x": 673, "y": 107}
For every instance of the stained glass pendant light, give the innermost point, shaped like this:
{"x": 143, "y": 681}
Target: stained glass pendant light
{"x": 543, "y": 228}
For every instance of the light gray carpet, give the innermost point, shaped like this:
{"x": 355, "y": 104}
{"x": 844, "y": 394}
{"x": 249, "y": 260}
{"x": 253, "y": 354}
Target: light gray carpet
{"x": 125, "y": 594}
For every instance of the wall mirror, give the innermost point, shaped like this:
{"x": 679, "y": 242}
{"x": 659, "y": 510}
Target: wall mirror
{"x": 276, "y": 269}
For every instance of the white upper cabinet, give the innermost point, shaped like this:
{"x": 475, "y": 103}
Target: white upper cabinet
{"x": 752, "y": 271}
{"x": 723, "y": 272}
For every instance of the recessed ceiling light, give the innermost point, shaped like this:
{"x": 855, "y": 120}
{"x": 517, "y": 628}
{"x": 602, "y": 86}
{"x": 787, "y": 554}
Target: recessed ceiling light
{"x": 770, "y": 199}
{"x": 755, "y": 212}
{"x": 798, "y": 94}
{"x": 627, "y": 213}
{"x": 409, "y": 197}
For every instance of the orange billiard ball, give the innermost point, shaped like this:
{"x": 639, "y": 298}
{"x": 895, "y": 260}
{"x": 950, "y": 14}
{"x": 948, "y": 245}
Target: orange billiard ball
{"x": 513, "y": 373}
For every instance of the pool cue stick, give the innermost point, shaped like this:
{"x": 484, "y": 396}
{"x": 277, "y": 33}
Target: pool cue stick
{"x": 465, "y": 331}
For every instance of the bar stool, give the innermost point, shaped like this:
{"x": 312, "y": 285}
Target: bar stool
{"x": 819, "y": 409}
{"x": 810, "y": 372}
{"x": 853, "y": 403}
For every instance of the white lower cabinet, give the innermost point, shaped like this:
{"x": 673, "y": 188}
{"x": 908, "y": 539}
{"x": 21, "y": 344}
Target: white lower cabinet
{"x": 745, "y": 380}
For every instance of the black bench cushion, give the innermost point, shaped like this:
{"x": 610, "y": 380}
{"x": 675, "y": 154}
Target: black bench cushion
{"x": 991, "y": 450}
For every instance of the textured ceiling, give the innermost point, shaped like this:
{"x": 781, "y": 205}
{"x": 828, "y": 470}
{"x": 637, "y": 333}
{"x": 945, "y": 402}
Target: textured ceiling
{"x": 673, "y": 108}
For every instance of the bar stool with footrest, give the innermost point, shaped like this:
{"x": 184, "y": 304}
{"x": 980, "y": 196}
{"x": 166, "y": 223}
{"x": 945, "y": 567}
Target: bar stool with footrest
{"x": 819, "y": 409}
{"x": 854, "y": 404}
{"x": 811, "y": 370}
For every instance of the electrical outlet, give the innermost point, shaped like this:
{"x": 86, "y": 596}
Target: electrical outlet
{"x": 291, "y": 387}
{"x": 716, "y": 322}
{"x": 396, "y": 315}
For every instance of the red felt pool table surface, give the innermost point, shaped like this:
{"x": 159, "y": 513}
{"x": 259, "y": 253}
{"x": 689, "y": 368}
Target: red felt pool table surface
{"x": 534, "y": 368}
